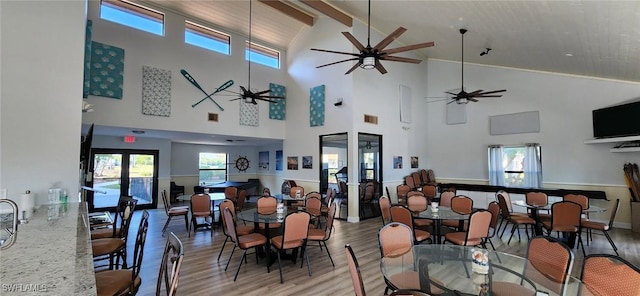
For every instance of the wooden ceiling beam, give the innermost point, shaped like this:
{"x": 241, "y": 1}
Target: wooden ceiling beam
{"x": 330, "y": 11}
{"x": 291, "y": 11}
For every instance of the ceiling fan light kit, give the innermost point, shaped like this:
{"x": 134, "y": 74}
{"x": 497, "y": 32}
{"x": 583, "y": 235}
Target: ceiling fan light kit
{"x": 369, "y": 57}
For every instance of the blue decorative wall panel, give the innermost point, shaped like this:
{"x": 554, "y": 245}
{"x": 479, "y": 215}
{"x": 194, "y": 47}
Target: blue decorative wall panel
{"x": 316, "y": 104}
{"x": 277, "y": 110}
{"x": 107, "y": 67}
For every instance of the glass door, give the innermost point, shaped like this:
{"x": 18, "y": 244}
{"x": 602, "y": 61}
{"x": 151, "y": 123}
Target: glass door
{"x": 117, "y": 172}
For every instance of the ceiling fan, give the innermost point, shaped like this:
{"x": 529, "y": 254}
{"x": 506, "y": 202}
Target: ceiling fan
{"x": 464, "y": 97}
{"x": 246, "y": 94}
{"x": 370, "y": 57}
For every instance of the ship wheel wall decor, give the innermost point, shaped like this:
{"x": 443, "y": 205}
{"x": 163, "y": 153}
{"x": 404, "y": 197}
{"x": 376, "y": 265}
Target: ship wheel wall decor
{"x": 242, "y": 163}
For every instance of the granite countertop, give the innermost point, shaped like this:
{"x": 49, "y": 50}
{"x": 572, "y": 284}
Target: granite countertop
{"x": 51, "y": 254}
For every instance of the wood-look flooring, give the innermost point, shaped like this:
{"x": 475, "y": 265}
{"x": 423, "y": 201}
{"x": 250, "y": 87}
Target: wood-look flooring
{"x": 202, "y": 274}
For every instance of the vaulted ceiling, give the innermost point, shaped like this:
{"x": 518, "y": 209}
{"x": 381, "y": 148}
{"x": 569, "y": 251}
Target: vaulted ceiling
{"x": 590, "y": 38}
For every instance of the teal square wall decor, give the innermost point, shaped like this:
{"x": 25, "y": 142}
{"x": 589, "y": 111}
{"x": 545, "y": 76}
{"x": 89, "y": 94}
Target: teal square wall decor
{"x": 277, "y": 110}
{"x": 107, "y": 68}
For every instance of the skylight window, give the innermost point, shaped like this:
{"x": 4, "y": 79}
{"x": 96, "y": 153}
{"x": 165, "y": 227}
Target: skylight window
{"x": 133, "y": 15}
{"x": 207, "y": 38}
{"x": 262, "y": 55}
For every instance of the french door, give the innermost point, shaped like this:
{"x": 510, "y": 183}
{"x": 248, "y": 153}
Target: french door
{"x": 117, "y": 172}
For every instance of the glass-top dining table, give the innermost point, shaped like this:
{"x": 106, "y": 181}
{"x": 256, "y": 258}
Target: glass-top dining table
{"x": 437, "y": 215}
{"x": 450, "y": 270}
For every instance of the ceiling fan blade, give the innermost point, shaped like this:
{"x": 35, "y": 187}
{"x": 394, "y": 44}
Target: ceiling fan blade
{"x": 438, "y": 100}
{"x": 493, "y": 92}
{"x": 262, "y": 92}
{"x": 409, "y": 47}
{"x": 380, "y": 67}
{"x": 475, "y": 92}
{"x": 490, "y": 96}
{"x": 472, "y": 99}
{"x": 450, "y": 93}
{"x": 338, "y": 52}
{"x": 235, "y": 99}
{"x": 271, "y": 97}
{"x": 354, "y": 41}
{"x": 266, "y": 100}
{"x": 386, "y": 41}
{"x": 401, "y": 59}
{"x": 353, "y": 68}
{"x": 353, "y": 59}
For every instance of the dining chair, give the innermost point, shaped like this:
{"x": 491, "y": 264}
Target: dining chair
{"x": 313, "y": 204}
{"x": 477, "y": 233}
{"x": 125, "y": 206}
{"x": 566, "y": 217}
{"x": 243, "y": 242}
{"x": 515, "y": 219}
{"x": 604, "y": 274}
{"x": 494, "y": 209}
{"x": 401, "y": 193}
{"x": 535, "y": 198}
{"x": 294, "y": 236}
{"x": 175, "y": 190}
{"x": 604, "y": 227}
{"x": 231, "y": 192}
{"x": 125, "y": 281}
{"x": 424, "y": 176}
{"x": 395, "y": 239}
{"x": 170, "y": 265}
{"x": 445, "y": 198}
{"x": 323, "y": 235}
{"x": 242, "y": 197}
{"x": 295, "y": 192}
{"x": 111, "y": 248}
{"x": 354, "y": 271}
{"x": 201, "y": 208}
{"x": 403, "y": 215}
{"x": 367, "y": 198}
{"x": 240, "y": 229}
{"x": 460, "y": 204}
{"x": 582, "y": 201}
{"x": 385, "y": 209}
{"x": 429, "y": 191}
{"x": 419, "y": 203}
{"x": 416, "y": 179}
{"x": 548, "y": 264}
{"x": 267, "y": 205}
{"x": 173, "y": 212}
{"x": 408, "y": 180}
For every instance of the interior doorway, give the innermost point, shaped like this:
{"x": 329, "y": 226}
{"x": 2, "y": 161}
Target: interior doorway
{"x": 117, "y": 172}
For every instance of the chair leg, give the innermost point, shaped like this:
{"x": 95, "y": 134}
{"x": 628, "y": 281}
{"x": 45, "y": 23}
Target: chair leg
{"x": 229, "y": 260}
{"x": 328, "y": 253}
{"x": 513, "y": 228}
{"x": 222, "y": 249}
{"x": 279, "y": 266}
{"x": 166, "y": 224}
{"x": 613, "y": 245}
{"x": 186, "y": 222}
{"x": 244, "y": 257}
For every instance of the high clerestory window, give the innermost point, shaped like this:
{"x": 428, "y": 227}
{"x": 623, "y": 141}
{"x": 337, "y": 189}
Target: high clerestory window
{"x": 262, "y": 55}
{"x": 133, "y": 15}
{"x": 207, "y": 38}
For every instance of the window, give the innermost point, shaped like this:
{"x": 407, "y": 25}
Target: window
{"x": 516, "y": 166}
{"x": 207, "y": 38}
{"x": 133, "y": 15}
{"x": 262, "y": 55}
{"x": 213, "y": 168}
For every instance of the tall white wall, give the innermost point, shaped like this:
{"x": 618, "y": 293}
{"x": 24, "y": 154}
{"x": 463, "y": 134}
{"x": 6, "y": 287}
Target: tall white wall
{"x": 565, "y": 104}
{"x": 41, "y": 95}
{"x": 209, "y": 68}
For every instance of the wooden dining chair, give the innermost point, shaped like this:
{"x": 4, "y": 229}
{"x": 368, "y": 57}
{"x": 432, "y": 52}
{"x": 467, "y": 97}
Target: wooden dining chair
{"x": 115, "y": 248}
{"x": 125, "y": 206}
{"x": 240, "y": 229}
{"x": 322, "y": 235}
{"x": 548, "y": 264}
{"x": 354, "y": 271}
{"x": 170, "y": 266}
{"x": 125, "y": 281}
{"x": 295, "y": 233}
{"x": 173, "y": 212}
{"x": 201, "y": 208}
{"x": 604, "y": 274}
{"x": 242, "y": 242}
{"x": 403, "y": 215}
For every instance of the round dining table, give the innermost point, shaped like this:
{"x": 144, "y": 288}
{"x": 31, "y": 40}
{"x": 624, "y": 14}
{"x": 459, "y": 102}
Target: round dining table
{"x": 437, "y": 216}
{"x": 449, "y": 270}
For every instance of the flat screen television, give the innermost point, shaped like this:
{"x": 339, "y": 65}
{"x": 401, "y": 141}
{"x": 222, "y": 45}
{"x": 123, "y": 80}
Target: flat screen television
{"x": 617, "y": 121}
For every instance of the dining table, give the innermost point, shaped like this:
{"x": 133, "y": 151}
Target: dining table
{"x": 437, "y": 215}
{"x": 462, "y": 270}
{"x": 99, "y": 220}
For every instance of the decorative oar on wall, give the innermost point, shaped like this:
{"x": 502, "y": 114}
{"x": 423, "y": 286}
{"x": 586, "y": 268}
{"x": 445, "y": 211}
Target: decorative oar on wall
{"x": 632, "y": 178}
{"x": 208, "y": 96}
